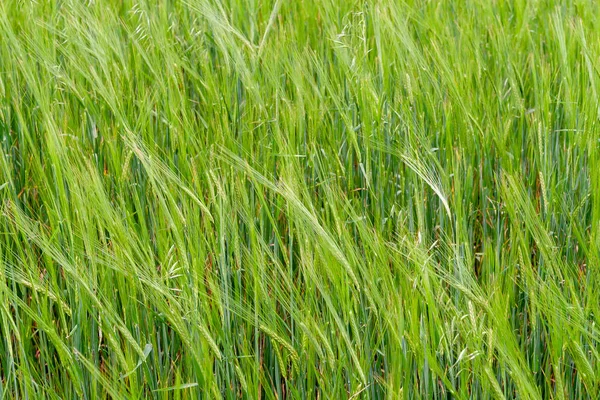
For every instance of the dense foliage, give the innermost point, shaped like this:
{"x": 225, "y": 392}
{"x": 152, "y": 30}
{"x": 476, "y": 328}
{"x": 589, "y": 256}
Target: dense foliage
{"x": 307, "y": 199}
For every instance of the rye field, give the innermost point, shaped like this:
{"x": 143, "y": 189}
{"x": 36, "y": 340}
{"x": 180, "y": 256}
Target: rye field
{"x": 299, "y": 199}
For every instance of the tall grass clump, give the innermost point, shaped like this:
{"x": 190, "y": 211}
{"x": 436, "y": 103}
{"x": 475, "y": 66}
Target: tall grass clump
{"x": 316, "y": 199}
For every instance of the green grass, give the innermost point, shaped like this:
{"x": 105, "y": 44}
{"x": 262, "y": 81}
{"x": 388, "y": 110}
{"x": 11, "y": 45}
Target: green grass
{"x": 304, "y": 199}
